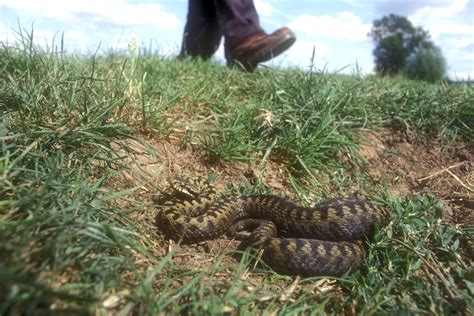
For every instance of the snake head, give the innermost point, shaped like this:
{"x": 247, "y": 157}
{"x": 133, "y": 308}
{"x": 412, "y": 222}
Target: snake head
{"x": 188, "y": 189}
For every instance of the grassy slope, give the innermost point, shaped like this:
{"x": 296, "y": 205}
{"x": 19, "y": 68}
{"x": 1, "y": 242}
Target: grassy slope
{"x": 67, "y": 244}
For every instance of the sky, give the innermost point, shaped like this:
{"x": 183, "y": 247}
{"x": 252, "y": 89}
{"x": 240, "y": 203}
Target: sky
{"x": 334, "y": 30}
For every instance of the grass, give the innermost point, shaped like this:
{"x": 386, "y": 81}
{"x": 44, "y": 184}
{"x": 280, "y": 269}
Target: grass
{"x": 70, "y": 238}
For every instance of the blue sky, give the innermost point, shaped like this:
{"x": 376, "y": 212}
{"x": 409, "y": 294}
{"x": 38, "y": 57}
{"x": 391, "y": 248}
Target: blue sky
{"x": 336, "y": 30}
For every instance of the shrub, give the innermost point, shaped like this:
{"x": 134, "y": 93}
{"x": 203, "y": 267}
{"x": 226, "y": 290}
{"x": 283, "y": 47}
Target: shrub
{"x": 427, "y": 64}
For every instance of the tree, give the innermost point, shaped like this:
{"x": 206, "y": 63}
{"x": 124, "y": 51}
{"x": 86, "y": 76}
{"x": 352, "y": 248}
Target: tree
{"x": 396, "y": 39}
{"x": 427, "y": 64}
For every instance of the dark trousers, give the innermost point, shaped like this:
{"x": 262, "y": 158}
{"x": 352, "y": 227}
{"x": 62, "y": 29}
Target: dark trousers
{"x": 209, "y": 20}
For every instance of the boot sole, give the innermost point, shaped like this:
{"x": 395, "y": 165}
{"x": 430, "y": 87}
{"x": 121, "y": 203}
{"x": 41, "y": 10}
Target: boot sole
{"x": 266, "y": 53}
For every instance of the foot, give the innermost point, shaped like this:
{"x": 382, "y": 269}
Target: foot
{"x": 261, "y": 47}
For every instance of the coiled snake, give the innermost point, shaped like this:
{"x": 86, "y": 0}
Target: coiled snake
{"x": 321, "y": 240}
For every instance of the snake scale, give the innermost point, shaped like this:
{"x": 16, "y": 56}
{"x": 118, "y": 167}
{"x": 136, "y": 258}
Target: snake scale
{"x": 325, "y": 239}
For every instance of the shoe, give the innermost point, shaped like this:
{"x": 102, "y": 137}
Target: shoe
{"x": 261, "y": 47}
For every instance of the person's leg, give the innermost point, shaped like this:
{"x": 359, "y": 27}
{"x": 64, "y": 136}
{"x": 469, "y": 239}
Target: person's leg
{"x": 202, "y": 33}
{"x": 238, "y": 20}
{"x": 246, "y": 43}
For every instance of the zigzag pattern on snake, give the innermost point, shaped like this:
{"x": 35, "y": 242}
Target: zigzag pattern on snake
{"x": 321, "y": 240}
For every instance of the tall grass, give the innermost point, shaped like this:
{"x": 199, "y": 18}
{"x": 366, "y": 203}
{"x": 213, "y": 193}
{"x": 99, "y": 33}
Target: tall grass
{"x": 304, "y": 119}
{"x": 62, "y": 237}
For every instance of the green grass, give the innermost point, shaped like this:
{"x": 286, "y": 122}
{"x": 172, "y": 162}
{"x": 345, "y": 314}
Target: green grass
{"x": 69, "y": 239}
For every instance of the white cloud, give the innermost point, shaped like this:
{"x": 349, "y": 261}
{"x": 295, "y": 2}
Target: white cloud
{"x": 453, "y": 33}
{"x": 40, "y": 37}
{"x": 46, "y": 38}
{"x": 3, "y": 32}
{"x": 361, "y": 53}
{"x": 305, "y": 47}
{"x": 444, "y": 19}
{"x": 110, "y": 12}
{"x": 3, "y": 29}
{"x": 89, "y": 24}
{"x": 75, "y": 35}
{"x": 343, "y": 26}
{"x": 461, "y": 42}
{"x": 264, "y": 8}
{"x": 301, "y": 52}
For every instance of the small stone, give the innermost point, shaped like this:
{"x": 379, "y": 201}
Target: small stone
{"x": 111, "y": 302}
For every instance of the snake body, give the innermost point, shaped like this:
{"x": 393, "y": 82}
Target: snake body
{"x": 321, "y": 240}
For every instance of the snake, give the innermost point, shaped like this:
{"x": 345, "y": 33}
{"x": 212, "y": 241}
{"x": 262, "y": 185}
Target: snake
{"x": 326, "y": 239}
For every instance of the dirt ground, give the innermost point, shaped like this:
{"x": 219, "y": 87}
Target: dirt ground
{"x": 406, "y": 165}
{"x": 415, "y": 166}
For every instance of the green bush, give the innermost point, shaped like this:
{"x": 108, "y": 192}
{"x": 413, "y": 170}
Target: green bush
{"x": 428, "y": 64}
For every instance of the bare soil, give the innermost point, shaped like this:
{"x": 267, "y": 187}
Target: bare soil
{"x": 405, "y": 165}
{"x": 413, "y": 166}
